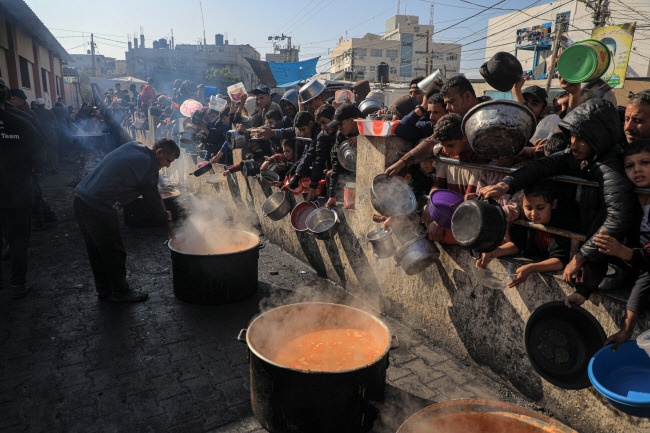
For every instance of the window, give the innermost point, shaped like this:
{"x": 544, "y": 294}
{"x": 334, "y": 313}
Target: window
{"x": 44, "y": 79}
{"x": 392, "y": 53}
{"x": 405, "y": 61}
{"x": 24, "y": 73}
{"x": 452, "y": 56}
{"x": 57, "y": 80}
{"x": 416, "y": 29}
{"x": 373, "y": 68}
{"x": 420, "y": 52}
{"x": 419, "y": 69}
{"x": 376, "y": 53}
{"x": 421, "y": 35}
{"x": 407, "y": 44}
{"x": 361, "y": 52}
{"x": 436, "y": 55}
{"x": 361, "y": 69}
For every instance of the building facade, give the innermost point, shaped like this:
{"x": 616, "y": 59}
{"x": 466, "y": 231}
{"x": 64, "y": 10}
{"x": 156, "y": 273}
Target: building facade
{"x": 31, "y": 58}
{"x": 168, "y": 62}
{"x": 104, "y": 66}
{"x": 502, "y": 30}
{"x": 403, "y": 47}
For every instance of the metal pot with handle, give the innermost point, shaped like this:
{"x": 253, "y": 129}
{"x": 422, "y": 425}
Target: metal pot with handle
{"x": 278, "y": 205}
{"x": 416, "y": 255}
{"x": 479, "y": 225}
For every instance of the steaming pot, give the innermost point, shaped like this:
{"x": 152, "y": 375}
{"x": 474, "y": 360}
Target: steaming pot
{"x": 216, "y": 278}
{"x": 416, "y": 255}
{"x": 288, "y": 400}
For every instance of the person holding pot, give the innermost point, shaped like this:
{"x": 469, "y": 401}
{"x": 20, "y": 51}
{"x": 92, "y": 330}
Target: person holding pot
{"x": 612, "y": 208}
{"x": 534, "y": 97}
{"x": 419, "y": 123}
{"x": 347, "y": 131}
{"x": 120, "y": 177}
{"x": 307, "y": 127}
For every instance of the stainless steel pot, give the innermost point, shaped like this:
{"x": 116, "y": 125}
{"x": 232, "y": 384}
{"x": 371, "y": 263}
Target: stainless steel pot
{"x": 416, "y": 255}
{"x": 187, "y": 137}
{"x": 235, "y": 139}
{"x": 499, "y": 129}
{"x": 369, "y": 106}
{"x": 269, "y": 177}
{"x": 278, "y": 205}
{"x": 311, "y": 90}
{"x": 348, "y": 157}
{"x": 323, "y": 223}
{"x": 390, "y": 196}
{"x": 382, "y": 242}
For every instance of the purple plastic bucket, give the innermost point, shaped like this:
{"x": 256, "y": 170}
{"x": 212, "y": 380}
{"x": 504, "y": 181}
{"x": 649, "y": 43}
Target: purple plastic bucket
{"x": 442, "y": 204}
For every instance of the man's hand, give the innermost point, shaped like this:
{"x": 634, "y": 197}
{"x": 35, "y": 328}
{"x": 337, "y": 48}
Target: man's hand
{"x": 572, "y": 88}
{"x": 331, "y": 203}
{"x": 571, "y": 270}
{"x": 241, "y": 129}
{"x": 523, "y": 273}
{"x": 575, "y": 298}
{"x": 395, "y": 168}
{"x": 617, "y": 339}
{"x": 518, "y": 85}
{"x": 540, "y": 144}
{"x": 608, "y": 245}
{"x": 485, "y": 259}
{"x": 435, "y": 232}
{"x": 264, "y": 133}
{"x": 494, "y": 191}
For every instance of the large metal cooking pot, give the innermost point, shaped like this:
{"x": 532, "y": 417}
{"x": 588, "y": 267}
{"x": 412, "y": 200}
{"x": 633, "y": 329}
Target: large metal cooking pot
{"x": 278, "y": 205}
{"x": 416, "y": 255}
{"x": 290, "y": 400}
{"x": 323, "y": 223}
{"x": 369, "y": 106}
{"x": 480, "y": 416}
{"x": 348, "y": 157}
{"x": 499, "y": 129}
{"x": 311, "y": 90}
{"x": 217, "y": 278}
{"x": 382, "y": 242}
{"x": 479, "y": 225}
{"x": 390, "y": 196}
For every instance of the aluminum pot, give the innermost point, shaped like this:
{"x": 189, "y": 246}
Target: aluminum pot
{"x": 269, "y": 177}
{"x": 250, "y": 167}
{"x": 311, "y": 90}
{"x": 369, "y": 106}
{"x": 216, "y": 278}
{"x": 390, "y": 196}
{"x": 416, "y": 255}
{"x": 382, "y": 242}
{"x": 278, "y": 205}
{"x": 348, "y": 157}
{"x": 499, "y": 129}
{"x": 479, "y": 225}
{"x": 290, "y": 400}
{"x": 187, "y": 137}
{"x": 323, "y": 223}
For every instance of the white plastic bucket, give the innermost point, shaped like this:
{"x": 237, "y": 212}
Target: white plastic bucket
{"x": 643, "y": 341}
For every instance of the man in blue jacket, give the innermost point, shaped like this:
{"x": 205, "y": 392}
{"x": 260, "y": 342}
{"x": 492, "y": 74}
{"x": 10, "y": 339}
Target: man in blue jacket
{"x": 122, "y": 176}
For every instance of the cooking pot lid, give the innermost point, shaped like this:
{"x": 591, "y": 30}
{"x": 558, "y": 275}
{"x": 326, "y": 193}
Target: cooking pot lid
{"x": 560, "y": 341}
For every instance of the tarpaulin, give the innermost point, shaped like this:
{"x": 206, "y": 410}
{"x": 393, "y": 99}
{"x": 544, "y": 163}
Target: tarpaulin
{"x": 283, "y": 74}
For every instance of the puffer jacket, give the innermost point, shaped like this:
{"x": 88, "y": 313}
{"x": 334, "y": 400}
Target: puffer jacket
{"x": 597, "y": 123}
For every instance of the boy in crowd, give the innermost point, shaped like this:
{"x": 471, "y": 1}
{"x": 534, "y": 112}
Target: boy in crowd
{"x": 281, "y": 162}
{"x": 306, "y": 127}
{"x": 539, "y": 205}
{"x": 637, "y": 168}
{"x": 612, "y": 207}
{"x": 347, "y": 130}
{"x": 324, "y": 142}
{"x": 449, "y": 134}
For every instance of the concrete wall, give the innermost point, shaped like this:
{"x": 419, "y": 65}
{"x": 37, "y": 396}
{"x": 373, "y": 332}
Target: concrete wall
{"x": 445, "y": 302}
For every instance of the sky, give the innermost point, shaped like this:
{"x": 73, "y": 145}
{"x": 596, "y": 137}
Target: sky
{"x": 313, "y": 25}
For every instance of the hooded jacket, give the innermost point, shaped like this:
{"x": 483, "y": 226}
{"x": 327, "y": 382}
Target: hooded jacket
{"x": 597, "y": 123}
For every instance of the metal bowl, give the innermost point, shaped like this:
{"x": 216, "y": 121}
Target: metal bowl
{"x": 390, "y": 196}
{"x": 499, "y": 129}
{"x": 278, "y": 205}
{"x": 269, "y": 177}
{"x": 348, "y": 156}
{"x": 323, "y": 223}
{"x": 369, "y": 106}
{"x": 310, "y": 90}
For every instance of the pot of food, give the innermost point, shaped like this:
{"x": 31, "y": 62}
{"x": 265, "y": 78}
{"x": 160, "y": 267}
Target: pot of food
{"x": 382, "y": 242}
{"x": 278, "y": 205}
{"x": 218, "y": 270}
{"x": 300, "y": 213}
{"x": 416, "y": 255}
{"x": 499, "y": 129}
{"x": 480, "y": 416}
{"x": 323, "y": 223}
{"x": 390, "y": 196}
{"x": 479, "y": 225}
{"x": 316, "y": 368}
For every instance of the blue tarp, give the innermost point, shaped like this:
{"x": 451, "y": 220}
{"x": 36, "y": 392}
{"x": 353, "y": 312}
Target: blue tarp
{"x": 284, "y": 74}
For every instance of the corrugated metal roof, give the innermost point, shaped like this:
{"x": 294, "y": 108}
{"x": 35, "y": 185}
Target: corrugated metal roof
{"x": 18, "y": 14}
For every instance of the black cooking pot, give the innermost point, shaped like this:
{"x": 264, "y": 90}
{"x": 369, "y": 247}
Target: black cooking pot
{"x": 502, "y": 71}
{"x": 250, "y": 168}
{"x": 479, "y": 225}
{"x": 289, "y": 400}
{"x": 216, "y": 278}
{"x": 202, "y": 170}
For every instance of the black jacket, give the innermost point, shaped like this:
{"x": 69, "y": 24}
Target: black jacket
{"x": 596, "y": 121}
{"x": 337, "y": 168}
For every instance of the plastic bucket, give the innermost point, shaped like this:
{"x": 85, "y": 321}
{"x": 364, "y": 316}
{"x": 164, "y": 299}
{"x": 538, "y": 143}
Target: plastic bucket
{"x": 349, "y": 195}
{"x": 442, "y": 204}
{"x": 236, "y": 91}
{"x": 585, "y": 61}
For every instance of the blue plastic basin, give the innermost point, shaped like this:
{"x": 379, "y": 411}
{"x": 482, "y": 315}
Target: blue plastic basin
{"x": 623, "y": 377}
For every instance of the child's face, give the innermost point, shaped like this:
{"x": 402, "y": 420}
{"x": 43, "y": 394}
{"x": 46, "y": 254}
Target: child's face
{"x": 455, "y": 147}
{"x": 537, "y": 209}
{"x": 427, "y": 166}
{"x": 270, "y": 123}
{"x": 637, "y": 169}
{"x": 305, "y": 131}
{"x": 288, "y": 152}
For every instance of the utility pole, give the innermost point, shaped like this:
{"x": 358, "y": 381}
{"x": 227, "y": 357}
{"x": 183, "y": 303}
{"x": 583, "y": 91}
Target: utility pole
{"x": 92, "y": 53}
{"x": 559, "y": 29}
{"x": 426, "y": 59}
{"x": 600, "y": 9}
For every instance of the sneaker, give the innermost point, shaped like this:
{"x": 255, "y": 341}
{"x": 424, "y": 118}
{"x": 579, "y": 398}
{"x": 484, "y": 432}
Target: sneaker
{"x": 129, "y": 296}
{"x": 20, "y": 290}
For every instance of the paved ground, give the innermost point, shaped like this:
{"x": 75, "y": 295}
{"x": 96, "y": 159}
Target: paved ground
{"x": 71, "y": 363}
